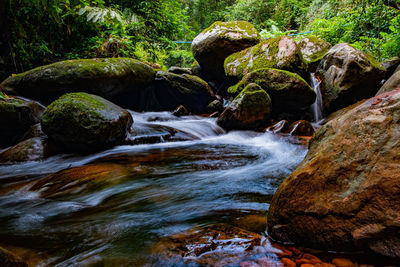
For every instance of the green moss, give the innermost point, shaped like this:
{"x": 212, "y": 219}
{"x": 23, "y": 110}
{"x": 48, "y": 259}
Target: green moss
{"x": 253, "y": 98}
{"x": 263, "y": 55}
{"x": 86, "y": 108}
{"x": 269, "y": 79}
{"x": 241, "y": 27}
{"x": 10, "y": 106}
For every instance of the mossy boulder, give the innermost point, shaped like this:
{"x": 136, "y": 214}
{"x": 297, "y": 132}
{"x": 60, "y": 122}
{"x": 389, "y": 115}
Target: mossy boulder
{"x": 313, "y": 50}
{"x": 250, "y": 110}
{"x": 172, "y": 90}
{"x": 288, "y": 91}
{"x": 106, "y": 77}
{"x": 214, "y": 44}
{"x": 81, "y": 122}
{"x": 17, "y": 115}
{"x": 347, "y": 75}
{"x": 279, "y": 53}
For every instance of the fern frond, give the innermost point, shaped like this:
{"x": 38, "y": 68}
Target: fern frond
{"x": 99, "y": 15}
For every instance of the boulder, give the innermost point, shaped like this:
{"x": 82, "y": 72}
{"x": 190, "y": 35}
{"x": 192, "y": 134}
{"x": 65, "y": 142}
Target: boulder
{"x": 345, "y": 195}
{"x": 391, "y": 84}
{"x": 313, "y": 50}
{"x": 106, "y": 77}
{"x": 279, "y": 53}
{"x": 250, "y": 110}
{"x": 171, "y": 90}
{"x": 347, "y": 75}
{"x": 288, "y": 91}
{"x": 80, "y": 122}
{"x": 33, "y": 149}
{"x": 17, "y": 115}
{"x": 214, "y": 44}
{"x": 301, "y": 128}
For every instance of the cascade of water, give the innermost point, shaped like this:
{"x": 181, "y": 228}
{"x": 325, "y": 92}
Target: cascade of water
{"x": 317, "y": 106}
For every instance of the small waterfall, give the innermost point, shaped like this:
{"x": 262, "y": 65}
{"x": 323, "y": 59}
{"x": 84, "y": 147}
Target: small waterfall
{"x": 317, "y": 106}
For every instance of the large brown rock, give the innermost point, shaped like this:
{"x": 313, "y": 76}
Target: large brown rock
{"x": 345, "y": 195}
{"x": 278, "y": 53}
{"x": 214, "y": 44}
{"x": 348, "y": 75}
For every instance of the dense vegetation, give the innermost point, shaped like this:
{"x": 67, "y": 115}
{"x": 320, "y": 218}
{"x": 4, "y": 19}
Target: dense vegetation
{"x": 36, "y": 32}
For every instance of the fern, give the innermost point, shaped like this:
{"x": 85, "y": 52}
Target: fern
{"x": 100, "y": 15}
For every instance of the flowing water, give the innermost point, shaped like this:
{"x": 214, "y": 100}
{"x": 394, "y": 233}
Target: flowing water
{"x": 101, "y": 208}
{"x": 317, "y": 107}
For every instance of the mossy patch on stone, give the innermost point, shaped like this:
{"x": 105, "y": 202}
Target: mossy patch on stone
{"x": 287, "y": 90}
{"x": 313, "y": 50}
{"x": 280, "y": 53}
{"x": 250, "y": 110}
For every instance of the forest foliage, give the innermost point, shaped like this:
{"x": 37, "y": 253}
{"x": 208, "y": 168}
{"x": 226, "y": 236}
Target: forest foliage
{"x": 36, "y": 32}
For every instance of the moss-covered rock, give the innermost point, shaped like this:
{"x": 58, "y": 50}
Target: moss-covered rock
{"x": 214, "y": 44}
{"x": 250, "y": 110}
{"x": 313, "y": 50}
{"x": 171, "y": 90}
{"x": 279, "y": 53}
{"x": 348, "y": 75}
{"x": 80, "y": 122}
{"x": 288, "y": 91}
{"x": 106, "y": 77}
{"x": 17, "y": 115}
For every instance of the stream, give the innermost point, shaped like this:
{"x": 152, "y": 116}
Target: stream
{"x": 110, "y": 208}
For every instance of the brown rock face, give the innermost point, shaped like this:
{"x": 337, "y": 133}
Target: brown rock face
{"x": 348, "y": 75}
{"x": 345, "y": 195}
